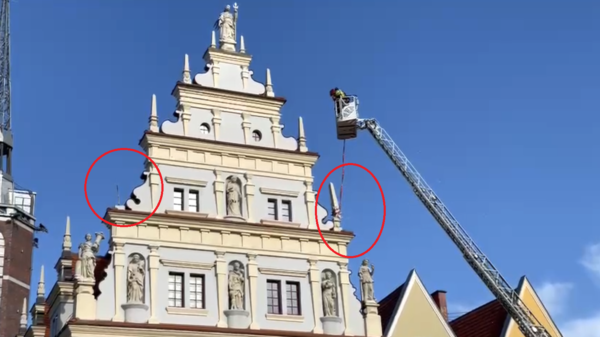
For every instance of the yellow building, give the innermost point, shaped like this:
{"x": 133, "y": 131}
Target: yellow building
{"x": 491, "y": 320}
{"x": 410, "y": 310}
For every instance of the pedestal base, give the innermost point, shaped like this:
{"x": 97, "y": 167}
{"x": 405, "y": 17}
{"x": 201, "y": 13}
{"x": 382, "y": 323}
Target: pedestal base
{"x": 135, "y": 312}
{"x": 332, "y": 325}
{"x": 85, "y": 303}
{"x": 237, "y": 319}
{"x": 234, "y": 218}
{"x": 372, "y": 319}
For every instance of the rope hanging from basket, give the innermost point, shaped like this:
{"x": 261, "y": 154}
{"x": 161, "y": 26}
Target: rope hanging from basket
{"x": 343, "y": 174}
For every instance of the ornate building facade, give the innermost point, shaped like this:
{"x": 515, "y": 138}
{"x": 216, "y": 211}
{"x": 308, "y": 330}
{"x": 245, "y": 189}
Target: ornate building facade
{"x": 233, "y": 246}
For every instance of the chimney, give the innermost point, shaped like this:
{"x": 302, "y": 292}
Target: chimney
{"x": 439, "y": 297}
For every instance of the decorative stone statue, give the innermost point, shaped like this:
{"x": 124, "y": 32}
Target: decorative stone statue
{"x": 236, "y": 287}
{"x": 135, "y": 279}
{"x": 227, "y": 24}
{"x": 366, "y": 281}
{"x": 328, "y": 287}
{"x": 234, "y": 196}
{"x": 86, "y": 264}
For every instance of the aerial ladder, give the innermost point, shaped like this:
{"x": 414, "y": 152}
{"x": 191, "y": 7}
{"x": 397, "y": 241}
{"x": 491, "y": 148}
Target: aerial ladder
{"x": 348, "y": 124}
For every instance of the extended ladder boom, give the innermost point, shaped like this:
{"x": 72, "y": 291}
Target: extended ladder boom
{"x": 505, "y": 294}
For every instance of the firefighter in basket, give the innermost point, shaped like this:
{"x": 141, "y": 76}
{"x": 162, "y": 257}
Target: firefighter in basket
{"x": 339, "y": 97}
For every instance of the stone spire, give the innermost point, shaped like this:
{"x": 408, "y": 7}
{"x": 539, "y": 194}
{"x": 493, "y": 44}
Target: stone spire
{"x": 242, "y": 45}
{"x": 213, "y": 40}
{"x": 269, "y": 85}
{"x": 335, "y": 209}
{"x": 301, "y": 136}
{"x": 23, "y": 323}
{"x": 41, "y": 290}
{"x": 38, "y": 309}
{"x": 187, "y": 78}
{"x": 153, "y": 120}
{"x": 66, "y": 244}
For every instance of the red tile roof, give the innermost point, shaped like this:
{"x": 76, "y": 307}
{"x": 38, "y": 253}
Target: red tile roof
{"x": 486, "y": 321}
{"x": 387, "y": 306}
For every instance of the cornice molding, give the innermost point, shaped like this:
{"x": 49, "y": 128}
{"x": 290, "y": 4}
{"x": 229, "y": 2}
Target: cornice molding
{"x": 187, "y": 264}
{"x": 188, "y": 182}
{"x": 277, "y": 192}
{"x": 283, "y": 272}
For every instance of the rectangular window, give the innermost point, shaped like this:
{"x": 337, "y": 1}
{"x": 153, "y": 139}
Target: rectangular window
{"x": 286, "y": 210}
{"x": 292, "y": 294}
{"x": 193, "y": 204}
{"x": 273, "y": 297}
{"x": 176, "y": 290}
{"x": 178, "y": 199}
{"x": 272, "y": 210}
{"x": 67, "y": 273}
{"x": 197, "y": 291}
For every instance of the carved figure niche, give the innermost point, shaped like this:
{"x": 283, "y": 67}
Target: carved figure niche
{"x": 136, "y": 277}
{"x": 329, "y": 293}
{"x": 236, "y": 283}
{"x": 234, "y": 197}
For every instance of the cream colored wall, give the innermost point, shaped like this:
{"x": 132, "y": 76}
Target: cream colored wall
{"x": 180, "y": 237}
{"x": 533, "y": 303}
{"x": 418, "y": 317}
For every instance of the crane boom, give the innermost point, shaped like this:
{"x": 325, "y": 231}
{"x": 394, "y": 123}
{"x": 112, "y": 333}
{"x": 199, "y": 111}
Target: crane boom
{"x": 5, "y": 122}
{"x": 504, "y": 293}
{"x": 6, "y": 136}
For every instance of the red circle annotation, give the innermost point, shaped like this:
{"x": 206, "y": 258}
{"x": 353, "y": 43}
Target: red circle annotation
{"x": 317, "y": 207}
{"x": 162, "y": 187}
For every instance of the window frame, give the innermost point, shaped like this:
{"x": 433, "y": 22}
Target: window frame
{"x": 287, "y": 203}
{"x": 257, "y": 136}
{"x": 202, "y": 291}
{"x": 204, "y": 129}
{"x": 176, "y": 191}
{"x": 195, "y": 193}
{"x": 275, "y": 203}
{"x": 270, "y": 291}
{"x": 181, "y": 291}
{"x": 297, "y": 298}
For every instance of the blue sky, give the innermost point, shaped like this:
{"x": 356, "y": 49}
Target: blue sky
{"x": 496, "y": 104}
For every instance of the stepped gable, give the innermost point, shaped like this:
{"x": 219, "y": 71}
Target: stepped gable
{"x": 222, "y": 235}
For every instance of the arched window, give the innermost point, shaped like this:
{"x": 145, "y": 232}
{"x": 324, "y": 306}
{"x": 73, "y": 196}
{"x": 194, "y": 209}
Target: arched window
{"x": 256, "y": 135}
{"x": 204, "y": 128}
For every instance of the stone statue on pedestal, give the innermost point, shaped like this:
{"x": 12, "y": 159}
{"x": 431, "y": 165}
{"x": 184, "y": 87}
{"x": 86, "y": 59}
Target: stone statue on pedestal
{"x": 237, "y": 316}
{"x": 233, "y": 189}
{"x": 328, "y": 286}
{"x": 366, "y": 281}
{"x": 136, "y": 273}
{"x": 331, "y": 322}
{"x": 86, "y": 263}
{"x": 227, "y": 24}
{"x": 136, "y": 311}
{"x": 236, "y": 287}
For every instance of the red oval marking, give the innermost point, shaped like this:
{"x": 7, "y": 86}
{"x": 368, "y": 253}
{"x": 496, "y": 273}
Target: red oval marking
{"x": 162, "y": 187}
{"x": 317, "y": 207}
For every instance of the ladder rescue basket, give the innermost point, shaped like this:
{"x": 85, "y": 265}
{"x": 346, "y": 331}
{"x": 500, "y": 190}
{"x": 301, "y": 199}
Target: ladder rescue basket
{"x": 346, "y": 115}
